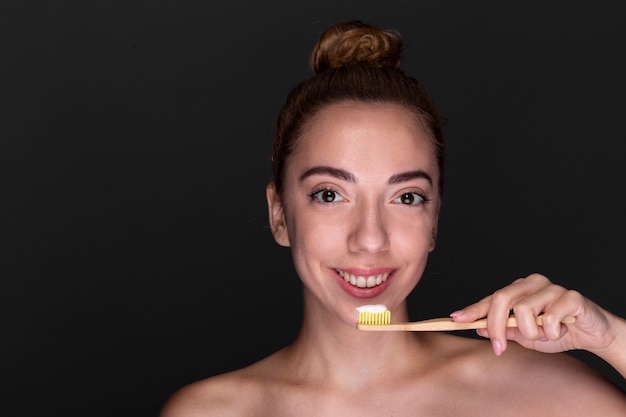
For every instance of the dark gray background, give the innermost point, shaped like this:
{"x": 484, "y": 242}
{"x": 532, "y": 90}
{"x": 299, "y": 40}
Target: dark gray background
{"x": 134, "y": 155}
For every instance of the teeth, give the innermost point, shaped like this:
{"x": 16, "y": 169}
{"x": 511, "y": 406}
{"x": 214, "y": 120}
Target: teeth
{"x": 364, "y": 282}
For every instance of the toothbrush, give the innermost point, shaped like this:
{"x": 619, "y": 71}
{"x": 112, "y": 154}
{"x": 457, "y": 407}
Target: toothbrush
{"x": 378, "y": 317}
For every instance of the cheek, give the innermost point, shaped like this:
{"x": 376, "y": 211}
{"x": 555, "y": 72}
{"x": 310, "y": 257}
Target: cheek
{"x": 314, "y": 245}
{"x": 315, "y": 234}
{"x": 413, "y": 240}
{"x": 413, "y": 235}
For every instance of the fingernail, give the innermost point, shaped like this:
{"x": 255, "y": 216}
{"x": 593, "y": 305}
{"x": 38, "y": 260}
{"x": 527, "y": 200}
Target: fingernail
{"x": 482, "y": 332}
{"x": 497, "y": 347}
{"x": 457, "y": 313}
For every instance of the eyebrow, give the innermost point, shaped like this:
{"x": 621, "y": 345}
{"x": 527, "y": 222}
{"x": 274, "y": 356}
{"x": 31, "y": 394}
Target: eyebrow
{"x": 334, "y": 172}
{"x": 346, "y": 176}
{"x": 406, "y": 176}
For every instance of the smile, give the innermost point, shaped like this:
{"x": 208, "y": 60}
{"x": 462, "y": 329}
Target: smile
{"x": 363, "y": 281}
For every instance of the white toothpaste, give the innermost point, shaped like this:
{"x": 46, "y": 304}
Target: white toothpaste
{"x": 372, "y": 308}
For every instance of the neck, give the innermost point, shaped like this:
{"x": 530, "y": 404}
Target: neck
{"x": 335, "y": 352}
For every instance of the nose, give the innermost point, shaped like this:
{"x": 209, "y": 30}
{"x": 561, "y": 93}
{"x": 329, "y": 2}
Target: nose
{"x": 368, "y": 231}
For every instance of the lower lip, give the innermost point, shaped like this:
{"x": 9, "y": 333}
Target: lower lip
{"x": 358, "y": 292}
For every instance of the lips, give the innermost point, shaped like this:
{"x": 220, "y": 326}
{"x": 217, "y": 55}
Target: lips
{"x": 363, "y": 281}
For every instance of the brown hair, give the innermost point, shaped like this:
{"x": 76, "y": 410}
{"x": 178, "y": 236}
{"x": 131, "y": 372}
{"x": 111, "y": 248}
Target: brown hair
{"x": 354, "y": 61}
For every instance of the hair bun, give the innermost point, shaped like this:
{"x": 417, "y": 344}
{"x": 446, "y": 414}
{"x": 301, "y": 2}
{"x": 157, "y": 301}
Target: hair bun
{"x": 356, "y": 42}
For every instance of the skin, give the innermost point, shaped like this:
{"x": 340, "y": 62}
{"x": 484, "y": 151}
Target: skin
{"x": 361, "y": 196}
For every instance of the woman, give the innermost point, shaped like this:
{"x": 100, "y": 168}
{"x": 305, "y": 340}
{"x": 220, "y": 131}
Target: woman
{"x": 358, "y": 163}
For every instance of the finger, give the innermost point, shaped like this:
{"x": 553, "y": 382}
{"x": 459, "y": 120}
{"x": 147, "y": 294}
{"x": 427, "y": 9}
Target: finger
{"x": 477, "y": 310}
{"x": 497, "y": 316}
{"x": 472, "y": 312}
{"x": 569, "y": 304}
{"x": 512, "y": 333}
{"x": 503, "y": 300}
{"x": 528, "y": 308}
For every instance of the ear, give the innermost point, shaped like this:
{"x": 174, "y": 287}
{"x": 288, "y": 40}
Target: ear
{"x": 277, "y": 219}
{"x": 433, "y": 233}
{"x": 433, "y": 239}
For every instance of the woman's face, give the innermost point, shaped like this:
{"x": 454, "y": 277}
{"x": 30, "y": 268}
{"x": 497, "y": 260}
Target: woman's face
{"x": 359, "y": 207}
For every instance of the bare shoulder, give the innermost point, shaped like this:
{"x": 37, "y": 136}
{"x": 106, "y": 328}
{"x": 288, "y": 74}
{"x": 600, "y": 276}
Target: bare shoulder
{"x": 557, "y": 383}
{"x": 235, "y": 393}
{"x": 209, "y": 397}
{"x": 561, "y": 378}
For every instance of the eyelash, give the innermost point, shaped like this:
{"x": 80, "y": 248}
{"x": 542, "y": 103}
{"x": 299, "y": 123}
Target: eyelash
{"x": 413, "y": 193}
{"x": 315, "y": 196}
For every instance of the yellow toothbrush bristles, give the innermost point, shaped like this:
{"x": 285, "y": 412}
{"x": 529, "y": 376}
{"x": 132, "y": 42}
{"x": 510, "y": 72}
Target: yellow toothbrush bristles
{"x": 374, "y": 314}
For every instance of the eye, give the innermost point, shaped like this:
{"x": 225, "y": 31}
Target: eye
{"x": 326, "y": 195}
{"x": 410, "y": 199}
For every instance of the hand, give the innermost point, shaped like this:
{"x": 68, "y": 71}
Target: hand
{"x": 595, "y": 329}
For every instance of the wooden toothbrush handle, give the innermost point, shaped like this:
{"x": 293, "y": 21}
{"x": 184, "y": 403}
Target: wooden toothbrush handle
{"x": 445, "y": 324}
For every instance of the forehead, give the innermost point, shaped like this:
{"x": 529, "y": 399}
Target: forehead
{"x": 366, "y": 133}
